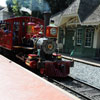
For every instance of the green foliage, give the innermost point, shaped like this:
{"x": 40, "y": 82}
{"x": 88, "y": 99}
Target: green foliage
{"x": 37, "y": 6}
{"x": 58, "y": 5}
{"x": 15, "y": 8}
{"x": 9, "y": 5}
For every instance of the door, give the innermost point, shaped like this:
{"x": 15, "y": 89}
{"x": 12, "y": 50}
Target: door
{"x": 69, "y": 40}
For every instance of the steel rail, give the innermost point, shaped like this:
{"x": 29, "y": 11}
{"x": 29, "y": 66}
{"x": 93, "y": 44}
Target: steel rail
{"x": 73, "y": 91}
{"x": 70, "y": 90}
{"x": 85, "y": 83}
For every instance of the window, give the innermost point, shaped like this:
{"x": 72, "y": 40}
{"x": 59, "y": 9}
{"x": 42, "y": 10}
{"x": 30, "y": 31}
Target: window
{"x": 23, "y": 27}
{"x": 8, "y": 25}
{"x": 16, "y": 26}
{"x": 16, "y": 30}
{"x": 79, "y": 36}
{"x": 88, "y": 37}
{"x": 5, "y": 27}
{"x": 30, "y": 29}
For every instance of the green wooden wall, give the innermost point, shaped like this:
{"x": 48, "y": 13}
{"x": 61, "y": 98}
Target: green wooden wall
{"x": 68, "y": 46}
{"x": 79, "y": 50}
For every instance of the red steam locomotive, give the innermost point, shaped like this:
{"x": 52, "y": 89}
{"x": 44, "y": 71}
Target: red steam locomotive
{"x": 24, "y": 36}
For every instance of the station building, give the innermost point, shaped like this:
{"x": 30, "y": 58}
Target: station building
{"x": 4, "y": 13}
{"x": 79, "y": 28}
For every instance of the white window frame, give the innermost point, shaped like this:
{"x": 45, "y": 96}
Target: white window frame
{"x": 79, "y": 37}
{"x": 89, "y": 39}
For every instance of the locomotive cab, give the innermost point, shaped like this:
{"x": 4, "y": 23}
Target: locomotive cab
{"x": 33, "y": 29}
{"x": 32, "y": 32}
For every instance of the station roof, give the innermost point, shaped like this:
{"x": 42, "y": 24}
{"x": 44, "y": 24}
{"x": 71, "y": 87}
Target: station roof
{"x": 3, "y": 9}
{"x": 88, "y": 12}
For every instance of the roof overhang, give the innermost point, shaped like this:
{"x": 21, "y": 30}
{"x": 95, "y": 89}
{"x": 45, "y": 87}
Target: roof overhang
{"x": 69, "y": 20}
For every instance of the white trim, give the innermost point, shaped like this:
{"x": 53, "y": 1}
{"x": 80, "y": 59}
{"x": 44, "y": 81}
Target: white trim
{"x": 72, "y": 24}
{"x": 95, "y": 38}
{"x": 74, "y": 37}
{"x": 96, "y": 43}
{"x": 79, "y": 19}
{"x": 77, "y": 38}
{"x": 87, "y": 46}
{"x": 91, "y": 23}
{"x": 70, "y": 15}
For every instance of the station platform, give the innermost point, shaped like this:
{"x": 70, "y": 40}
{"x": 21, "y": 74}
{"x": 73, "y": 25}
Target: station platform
{"x": 85, "y": 61}
{"x": 17, "y": 83}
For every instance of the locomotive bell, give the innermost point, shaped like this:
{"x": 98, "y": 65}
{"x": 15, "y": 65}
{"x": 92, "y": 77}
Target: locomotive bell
{"x": 40, "y": 42}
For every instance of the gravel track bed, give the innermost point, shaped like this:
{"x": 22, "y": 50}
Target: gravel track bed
{"x": 86, "y": 73}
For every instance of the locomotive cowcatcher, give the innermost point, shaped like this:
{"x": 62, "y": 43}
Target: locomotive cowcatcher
{"x": 24, "y": 36}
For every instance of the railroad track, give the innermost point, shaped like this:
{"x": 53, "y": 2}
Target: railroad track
{"x": 80, "y": 89}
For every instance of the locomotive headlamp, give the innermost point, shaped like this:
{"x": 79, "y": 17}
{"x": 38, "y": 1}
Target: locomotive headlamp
{"x": 53, "y": 31}
{"x": 30, "y": 57}
{"x": 59, "y": 57}
{"x": 62, "y": 67}
{"x": 50, "y": 46}
{"x": 32, "y": 28}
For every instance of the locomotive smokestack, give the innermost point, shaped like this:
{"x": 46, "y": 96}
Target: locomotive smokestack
{"x": 47, "y": 15}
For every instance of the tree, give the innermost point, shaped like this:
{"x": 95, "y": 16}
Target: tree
{"x": 37, "y": 6}
{"x": 16, "y": 8}
{"x": 9, "y": 5}
{"x": 58, "y": 5}
{"x": 13, "y": 6}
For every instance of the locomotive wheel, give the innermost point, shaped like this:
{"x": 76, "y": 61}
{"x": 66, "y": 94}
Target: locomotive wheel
{"x": 42, "y": 71}
{"x": 0, "y": 50}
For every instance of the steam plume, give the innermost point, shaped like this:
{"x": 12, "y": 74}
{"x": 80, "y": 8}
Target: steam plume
{"x": 33, "y": 5}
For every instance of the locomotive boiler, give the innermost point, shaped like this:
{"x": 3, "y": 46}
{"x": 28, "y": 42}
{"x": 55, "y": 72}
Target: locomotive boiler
{"x": 34, "y": 44}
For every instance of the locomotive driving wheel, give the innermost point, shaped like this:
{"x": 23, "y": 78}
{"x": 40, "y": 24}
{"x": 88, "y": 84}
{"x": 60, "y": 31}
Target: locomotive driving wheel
{"x": 42, "y": 71}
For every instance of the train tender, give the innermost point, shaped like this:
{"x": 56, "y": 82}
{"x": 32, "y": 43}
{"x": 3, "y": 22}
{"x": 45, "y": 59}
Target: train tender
{"x": 24, "y": 36}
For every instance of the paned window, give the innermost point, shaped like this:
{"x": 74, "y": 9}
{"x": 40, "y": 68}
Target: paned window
{"x": 79, "y": 36}
{"x": 88, "y": 37}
